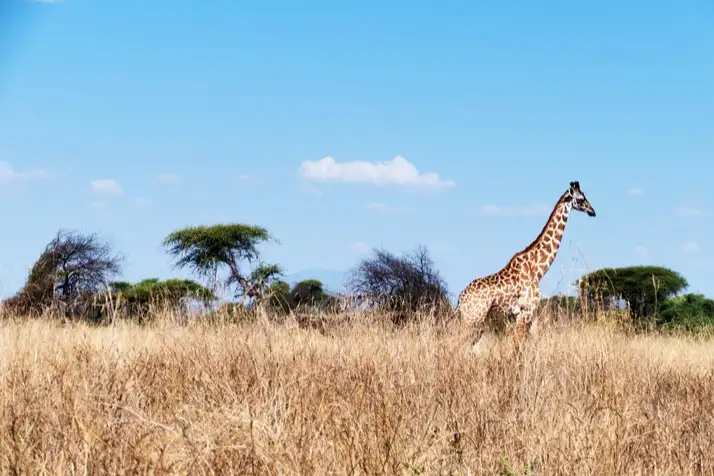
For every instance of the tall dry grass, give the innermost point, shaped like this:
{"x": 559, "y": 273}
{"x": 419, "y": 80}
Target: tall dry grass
{"x": 266, "y": 398}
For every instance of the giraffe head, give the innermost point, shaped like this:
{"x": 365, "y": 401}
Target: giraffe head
{"x": 577, "y": 199}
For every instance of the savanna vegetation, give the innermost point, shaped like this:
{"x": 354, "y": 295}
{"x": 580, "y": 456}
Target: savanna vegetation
{"x": 238, "y": 371}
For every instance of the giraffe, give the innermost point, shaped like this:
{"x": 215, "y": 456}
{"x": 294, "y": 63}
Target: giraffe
{"x": 513, "y": 291}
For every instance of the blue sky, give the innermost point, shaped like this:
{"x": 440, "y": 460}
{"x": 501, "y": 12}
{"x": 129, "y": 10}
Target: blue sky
{"x": 132, "y": 119}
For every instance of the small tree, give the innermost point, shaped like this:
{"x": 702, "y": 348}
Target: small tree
{"x": 207, "y": 249}
{"x": 279, "y": 297}
{"x": 307, "y": 294}
{"x": 689, "y": 311}
{"x": 400, "y": 284}
{"x": 137, "y": 298}
{"x": 644, "y": 288}
{"x": 68, "y": 274}
{"x": 260, "y": 279}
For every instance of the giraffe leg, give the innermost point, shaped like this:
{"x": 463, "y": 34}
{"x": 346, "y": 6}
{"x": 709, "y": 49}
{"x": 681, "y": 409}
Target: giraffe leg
{"x": 523, "y": 326}
{"x": 474, "y": 312}
{"x": 528, "y": 302}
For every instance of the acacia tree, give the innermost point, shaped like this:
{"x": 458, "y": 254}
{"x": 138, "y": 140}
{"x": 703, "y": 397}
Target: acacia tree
{"x": 136, "y": 298}
{"x": 307, "y": 294}
{"x": 644, "y": 288}
{"x": 207, "y": 249}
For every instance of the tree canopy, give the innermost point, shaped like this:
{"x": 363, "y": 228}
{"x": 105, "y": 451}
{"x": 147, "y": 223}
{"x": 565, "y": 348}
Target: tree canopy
{"x": 644, "y": 288}
{"x": 71, "y": 269}
{"x": 307, "y": 294}
{"x": 688, "y": 311}
{"x": 399, "y": 284}
{"x": 205, "y": 249}
{"x": 137, "y": 297}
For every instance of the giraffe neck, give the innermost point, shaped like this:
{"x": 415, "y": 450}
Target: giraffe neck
{"x": 540, "y": 254}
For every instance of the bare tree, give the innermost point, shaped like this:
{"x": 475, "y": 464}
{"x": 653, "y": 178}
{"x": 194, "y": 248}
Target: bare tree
{"x": 403, "y": 284}
{"x": 72, "y": 269}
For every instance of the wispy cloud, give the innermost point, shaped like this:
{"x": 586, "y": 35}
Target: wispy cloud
{"x": 398, "y": 171}
{"x": 168, "y": 177}
{"x": 636, "y": 192}
{"x": 531, "y": 211}
{"x": 106, "y": 187}
{"x": 687, "y": 211}
{"x": 691, "y": 247}
{"x": 9, "y": 175}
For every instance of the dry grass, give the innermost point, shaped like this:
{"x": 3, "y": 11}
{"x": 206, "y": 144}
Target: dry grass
{"x": 274, "y": 399}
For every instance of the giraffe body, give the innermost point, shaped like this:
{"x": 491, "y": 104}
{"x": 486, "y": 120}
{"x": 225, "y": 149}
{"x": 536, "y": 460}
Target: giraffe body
{"x": 513, "y": 293}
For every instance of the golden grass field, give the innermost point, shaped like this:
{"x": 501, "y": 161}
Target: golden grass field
{"x": 272, "y": 398}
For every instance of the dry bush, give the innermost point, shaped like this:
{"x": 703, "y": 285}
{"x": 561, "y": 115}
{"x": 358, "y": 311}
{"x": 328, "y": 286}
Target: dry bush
{"x": 268, "y": 398}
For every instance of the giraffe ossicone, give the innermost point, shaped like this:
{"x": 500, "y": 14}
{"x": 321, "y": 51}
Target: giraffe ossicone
{"x": 513, "y": 292}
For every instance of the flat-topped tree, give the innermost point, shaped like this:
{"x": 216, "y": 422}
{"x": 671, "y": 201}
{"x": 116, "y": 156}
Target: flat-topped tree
{"x": 173, "y": 292}
{"x": 207, "y": 249}
{"x": 644, "y": 288}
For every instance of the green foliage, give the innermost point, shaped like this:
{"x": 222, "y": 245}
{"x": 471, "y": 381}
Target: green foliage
{"x": 204, "y": 249}
{"x": 260, "y": 278}
{"x": 308, "y": 291}
{"x": 305, "y": 295}
{"x": 172, "y": 292}
{"x": 279, "y": 297}
{"x": 645, "y": 288}
{"x": 689, "y": 312}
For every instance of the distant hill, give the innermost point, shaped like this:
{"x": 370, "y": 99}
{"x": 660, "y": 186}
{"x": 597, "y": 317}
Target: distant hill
{"x": 332, "y": 280}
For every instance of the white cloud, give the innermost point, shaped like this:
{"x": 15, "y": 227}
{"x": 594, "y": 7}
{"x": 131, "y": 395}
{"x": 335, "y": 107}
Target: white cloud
{"x": 636, "y": 192}
{"x": 168, "y": 177}
{"x": 642, "y": 251}
{"x": 689, "y": 212}
{"x": 690, "y": 247}
{"x": 495, "y": 210}
{"x": 106, "y": 187}
{"x": 8, "y": 174}
{"x": 398, "y": 171}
